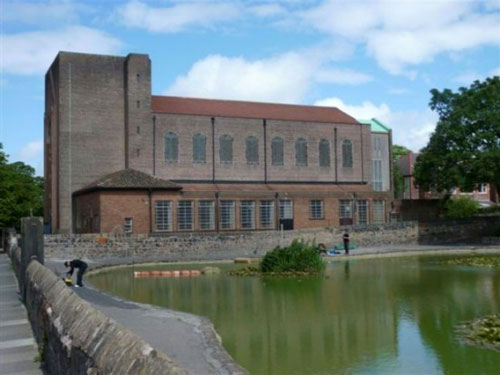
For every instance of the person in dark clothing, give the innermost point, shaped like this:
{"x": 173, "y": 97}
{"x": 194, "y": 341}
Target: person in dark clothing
{"x": 82, "y": 267}
{"x": 346, "y": 242}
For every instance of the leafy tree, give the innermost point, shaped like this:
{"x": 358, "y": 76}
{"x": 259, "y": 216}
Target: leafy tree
{"x": 21, "y": 192}
{"x": 397, "y": 152}
{"x": 464, "y": 150}
{"x": 460, "y": 208}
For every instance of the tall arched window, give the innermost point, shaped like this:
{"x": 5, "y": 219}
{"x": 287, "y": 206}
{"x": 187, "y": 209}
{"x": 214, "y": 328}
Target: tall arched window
{"x": 226, "y": 149}
{"x": 252, "y": 150}
{"x": 347, "y": 154}
{"x": 199, "y": 148}
{"x": 171, "y": 147}
{"x": 301, "y": 152}
{"x": 324, "y": 153}
{"x": 277, "y": 151}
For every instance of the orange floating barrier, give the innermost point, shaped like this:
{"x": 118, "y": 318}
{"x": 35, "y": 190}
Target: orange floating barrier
{"x": 185, "y": 273}
{"x": 195, "y": 273}
{"x": 166, "y": 273}
{"x": 176, "y": 273}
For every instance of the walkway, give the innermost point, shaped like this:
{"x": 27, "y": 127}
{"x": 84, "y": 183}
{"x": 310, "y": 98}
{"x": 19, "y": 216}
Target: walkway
{"x": 17, "y": 345}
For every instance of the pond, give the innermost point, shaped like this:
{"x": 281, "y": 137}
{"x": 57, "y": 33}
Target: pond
{"x": 378, "y": 316}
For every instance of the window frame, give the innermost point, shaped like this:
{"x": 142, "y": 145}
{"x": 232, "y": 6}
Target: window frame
{"x": 316, "y": 209}
{"x": 252, "y": 150}
{"x": 185, "y": 211}
{"x": 226, "y": 141}
{"x": 171, "y": 156}
{"x": 247, "y": 214}
{"x": 324, "y": 148}
{"x": 347, "y": 154}
{"x": 277, "y": 152}
{"x": 266, "y": 221}
{"x": 231, "y": 214}
{"x": 376, "y": 218}
{"x": 301, "y": 147}
{"x": 200, "y": 140}
{"x": 203, "y": 215}
{"x": 128, "y": 225}
{"x": 167, "y": 211}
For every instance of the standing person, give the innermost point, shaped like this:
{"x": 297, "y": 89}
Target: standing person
{"x": 82, "y": 267}
{"x": 346, "y": 242}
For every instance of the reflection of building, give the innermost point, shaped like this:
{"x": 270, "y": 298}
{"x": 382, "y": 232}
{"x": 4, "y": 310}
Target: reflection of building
{"x": 484, "y": 194}
{"x": 117, "y": 157}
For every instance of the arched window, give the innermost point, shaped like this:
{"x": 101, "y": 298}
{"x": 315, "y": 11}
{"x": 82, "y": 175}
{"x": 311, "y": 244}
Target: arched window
{"x": 226, "y": 149}
{"x": 301, "y": 152}
{"x": 347, "y": 154}
{"x": 277, "y": 151}
{"x": 324, "y": 153}
{"x": 199, "y": 148}
{"x": 252, "y": 150}
{"x": 171, "y": 147}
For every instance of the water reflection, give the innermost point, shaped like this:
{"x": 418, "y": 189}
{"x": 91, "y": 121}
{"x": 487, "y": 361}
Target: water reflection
{"x": 380, "y": 316}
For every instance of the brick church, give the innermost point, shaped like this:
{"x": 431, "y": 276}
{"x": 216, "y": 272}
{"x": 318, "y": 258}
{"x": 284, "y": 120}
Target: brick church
{"x": 119, "y": 159}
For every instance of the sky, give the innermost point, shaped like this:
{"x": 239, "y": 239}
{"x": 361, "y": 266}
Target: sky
{"x": 372, "y": 59}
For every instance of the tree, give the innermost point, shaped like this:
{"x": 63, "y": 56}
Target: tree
{"x": 21, "y": 192}
{"x": 464, "y": 150}
{"x": 397, "y": 152}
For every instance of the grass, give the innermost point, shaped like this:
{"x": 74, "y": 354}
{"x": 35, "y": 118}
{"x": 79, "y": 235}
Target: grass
{"x": 477, "y": 261}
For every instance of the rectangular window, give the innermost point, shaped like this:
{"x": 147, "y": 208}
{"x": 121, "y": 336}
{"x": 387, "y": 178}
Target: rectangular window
{"x": 316, "y": 209}
{"x": 267, "y": 214}
{"x": 362, "y": 212}
{"x": 346, "y": 212}
{"x": 378, "y": 212}
{"x": 286, "y": 209}
{"x": 247, "y": 214}
{"x": 377, "y": 175}
{"x": 227, "y": 214}
{"x": 482, "y": 189}
{"x": 97, "y": 224}
{"x": 163, "y": 216}
{"x": 127, "y": 225}
{"x": 206, "y": 215}
{"x": 185, "y": 215}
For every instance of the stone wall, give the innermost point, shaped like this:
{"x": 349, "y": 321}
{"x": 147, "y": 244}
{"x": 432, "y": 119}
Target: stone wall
{"x": 74, "y": 338}
{"x": 205, "y": 246}
{"x": 210, "y": 246}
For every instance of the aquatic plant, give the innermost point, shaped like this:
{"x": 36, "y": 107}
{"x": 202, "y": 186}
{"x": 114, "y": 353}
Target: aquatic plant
{"x": 483, "y": 332}
{"x": 299, "y": 257}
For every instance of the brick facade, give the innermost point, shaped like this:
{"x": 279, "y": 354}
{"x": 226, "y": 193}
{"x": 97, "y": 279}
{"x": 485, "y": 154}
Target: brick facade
{"x": 101, "y": 118}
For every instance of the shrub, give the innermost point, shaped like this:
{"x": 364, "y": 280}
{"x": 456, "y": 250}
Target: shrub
{"x": 459, "y": 208}
{"x": 300, "y": 256}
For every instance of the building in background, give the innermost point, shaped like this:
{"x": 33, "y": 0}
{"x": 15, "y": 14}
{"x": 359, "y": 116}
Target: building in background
{"x": 484, "y": 194}
{"x": 118, "y": 158}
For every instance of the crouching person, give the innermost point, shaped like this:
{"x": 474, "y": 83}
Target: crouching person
{"x": 82, "y": 267}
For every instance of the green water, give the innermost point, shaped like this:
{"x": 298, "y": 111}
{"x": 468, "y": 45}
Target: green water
{"x": 381, "y": 316}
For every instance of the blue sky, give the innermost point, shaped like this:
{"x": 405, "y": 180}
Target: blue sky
{"x": 369, "y": 58}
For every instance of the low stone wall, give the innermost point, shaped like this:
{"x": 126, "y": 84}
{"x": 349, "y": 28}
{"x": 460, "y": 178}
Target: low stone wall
{"x": 74, "y": 338}
{"x": 205, "y": 246}
{"x": 455, "y": 231}
{"x": 216, "y": 246}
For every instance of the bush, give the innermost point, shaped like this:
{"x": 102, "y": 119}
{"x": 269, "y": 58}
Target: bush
{"x": 300, "y": 257}
{"x": 459, "y": 208}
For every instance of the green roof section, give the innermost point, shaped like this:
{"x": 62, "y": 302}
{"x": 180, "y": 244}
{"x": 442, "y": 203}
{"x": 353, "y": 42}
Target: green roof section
{"x": 376, "y": 125}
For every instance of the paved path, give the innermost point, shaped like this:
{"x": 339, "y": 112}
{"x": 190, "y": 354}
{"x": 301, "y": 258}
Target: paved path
{"x": 17, "y": 345}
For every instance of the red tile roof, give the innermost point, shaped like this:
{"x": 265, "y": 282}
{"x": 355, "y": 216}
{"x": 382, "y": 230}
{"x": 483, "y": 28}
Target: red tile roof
{"x": 232, "y": 108}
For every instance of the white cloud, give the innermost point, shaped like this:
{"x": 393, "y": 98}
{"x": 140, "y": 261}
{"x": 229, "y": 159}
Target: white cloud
{"x": 398, "y": 91}
{"x": 410, "y": 32}
{"x": 282, "y": 78}
{"x": 41, "y": 13}
{"x": 176, "y": 17}
{"x": 267, "y": 10}
{"x": 411, "y": 129}
{"x": 342, "y": 76}
{"x": 31, "y": 150}
{"x": 33, "y": 52}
